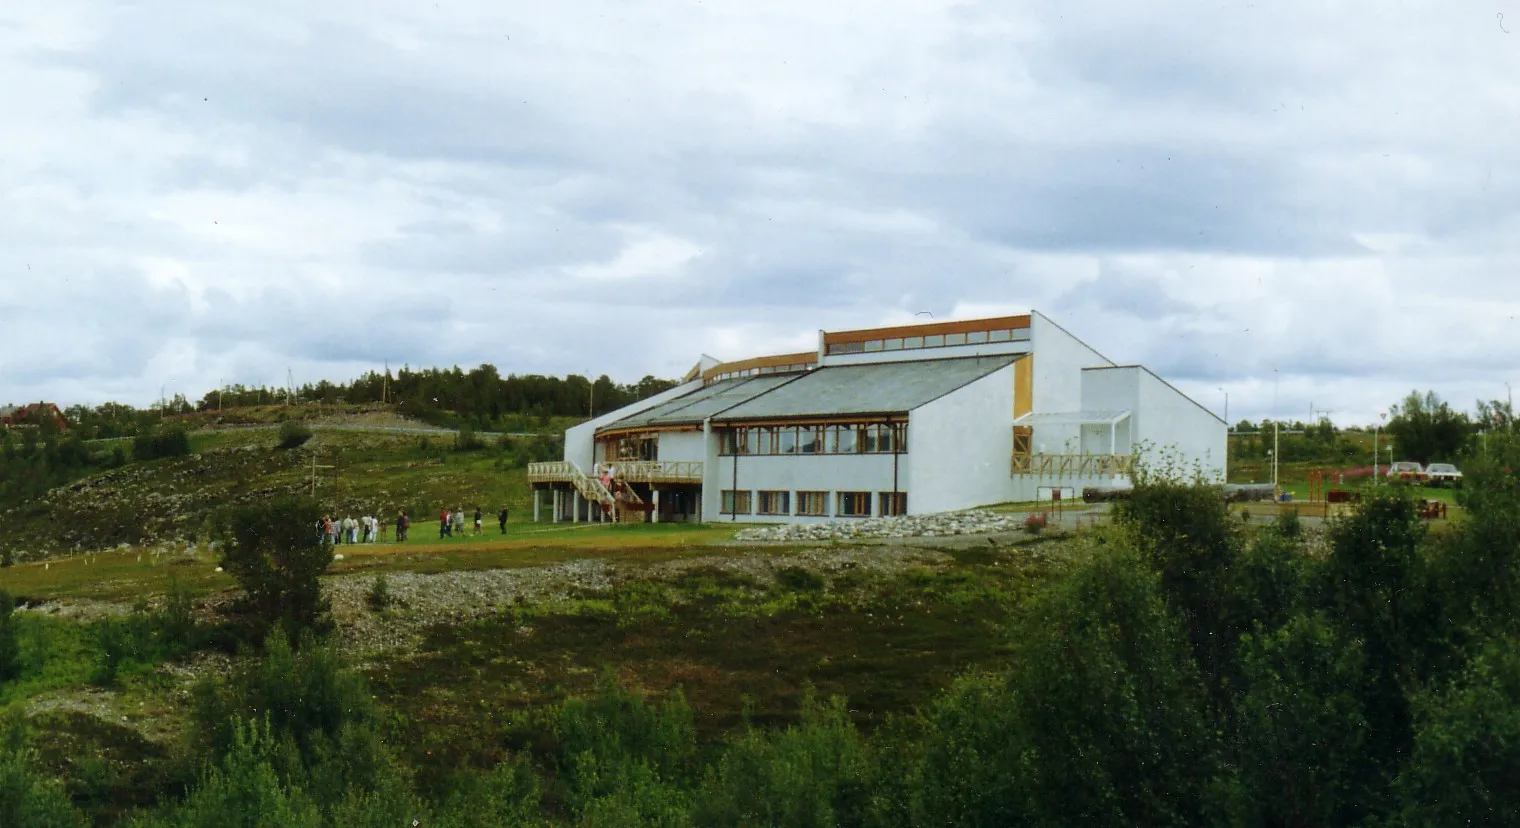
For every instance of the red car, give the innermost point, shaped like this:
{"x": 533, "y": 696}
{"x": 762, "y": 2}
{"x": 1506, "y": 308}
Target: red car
{"x": 1406, "y": 470}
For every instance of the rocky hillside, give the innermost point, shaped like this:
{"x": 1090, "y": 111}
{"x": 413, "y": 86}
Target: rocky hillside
{"x": 169, "y": 502}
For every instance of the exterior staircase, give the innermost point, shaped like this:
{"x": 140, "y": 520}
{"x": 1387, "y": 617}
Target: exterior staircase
{"x": 590, "y": 488}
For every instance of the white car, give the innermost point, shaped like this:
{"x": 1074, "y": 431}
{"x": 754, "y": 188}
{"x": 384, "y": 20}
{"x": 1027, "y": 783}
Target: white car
{"x": 1442, "y": 474}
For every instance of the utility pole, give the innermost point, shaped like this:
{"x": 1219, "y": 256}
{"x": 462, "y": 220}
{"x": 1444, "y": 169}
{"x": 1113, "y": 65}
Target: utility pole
{"x": 314, "y": 468}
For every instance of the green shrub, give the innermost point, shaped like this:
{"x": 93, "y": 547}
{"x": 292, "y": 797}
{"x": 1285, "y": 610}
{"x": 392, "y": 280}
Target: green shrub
{"x": 10, "y": 646}
{"x": 379, "y": 597}
{"x": 28, "y": 798}
{"x": 177, "y": 627}
{"x": 815, "y": 773}
{"x": 114, "y": 646}
{"x": 293, "y": 434}
{"x": 798, "y": 579}
{"x": 275, "y": 557}
{"x": 173, "y": 441}
{"x": 467, "y": 440}
{"x": 1288, "y": 524}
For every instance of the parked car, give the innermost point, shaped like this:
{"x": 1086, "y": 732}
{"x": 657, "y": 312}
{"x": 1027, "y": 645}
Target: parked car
{"x": 1442, "y": 474}
{"x": 1406, "y": 470}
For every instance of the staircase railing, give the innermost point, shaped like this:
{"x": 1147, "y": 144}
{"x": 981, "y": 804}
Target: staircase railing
{"x": 1073, "y": 465}
{"x": 654, "y": 471}
{"x": 589, "y": 487}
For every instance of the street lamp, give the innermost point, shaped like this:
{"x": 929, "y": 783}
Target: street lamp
{"x": 1376, "y": 429}
{"x": 1226, "y": 407}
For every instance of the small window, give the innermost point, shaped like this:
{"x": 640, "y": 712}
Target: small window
{"x": 955, "y": 339}
{"x": 976, "y": 337}
{"x": 844, "y": 441}
{"x": 854, "y": 504}
{"x": 735, "y": 502}
{"x": 786, "y": 441}
{"x": 809, "y": 440}
{"x": 775, "y": 503}
{"x": 767, "y": 443}
{"x": 913, "y": 342}
{"x": 892, "y": 344}
{"x": 1019, "y": 335}
{"x": 893, "y": 503}
{"x": 998, "y": 336}
{"x": 732, "y": 441}
{"x": 871, "y": 438}
{"x": 813, "y": 503}
{"x": 852, "y": 347}
{"x": 934, "y": 341}
{"x": 873, "y": 345}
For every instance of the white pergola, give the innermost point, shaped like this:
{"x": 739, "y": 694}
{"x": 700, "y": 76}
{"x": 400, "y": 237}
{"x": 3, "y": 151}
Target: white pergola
{"x": 1112, "y": 419}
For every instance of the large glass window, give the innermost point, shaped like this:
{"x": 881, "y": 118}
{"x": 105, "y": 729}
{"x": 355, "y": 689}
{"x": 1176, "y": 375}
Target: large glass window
{"x": 955, "y": 339}
{"x": 934, "y": 341}
{"x": 998, "y": 336}
{"x": 893, "y": 503}
{"x": 976, "y": 337}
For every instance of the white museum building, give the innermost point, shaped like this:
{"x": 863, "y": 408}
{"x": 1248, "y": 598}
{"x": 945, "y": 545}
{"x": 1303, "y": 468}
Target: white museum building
{"x": 887, "y": 421}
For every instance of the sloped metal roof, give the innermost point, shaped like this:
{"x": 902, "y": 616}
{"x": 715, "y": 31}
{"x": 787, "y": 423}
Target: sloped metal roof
{"x": 873, "y": 388}
{"x": 703, "y": 402}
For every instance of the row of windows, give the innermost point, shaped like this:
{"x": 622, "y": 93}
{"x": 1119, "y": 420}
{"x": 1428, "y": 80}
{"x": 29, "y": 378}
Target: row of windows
{"x": 813, "y": 504}
{"x": 768, "y": 369}
{"x": 933, "y": 341}
{"x": 856, "y": 438}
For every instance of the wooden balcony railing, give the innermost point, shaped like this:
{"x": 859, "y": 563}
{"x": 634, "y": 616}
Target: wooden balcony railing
{"x": 655, "y": 471}
{"x": 1073, "y": 465}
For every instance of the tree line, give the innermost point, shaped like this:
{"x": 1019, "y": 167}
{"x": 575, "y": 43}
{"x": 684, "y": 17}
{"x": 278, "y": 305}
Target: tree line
{"x": 480, "y": 398}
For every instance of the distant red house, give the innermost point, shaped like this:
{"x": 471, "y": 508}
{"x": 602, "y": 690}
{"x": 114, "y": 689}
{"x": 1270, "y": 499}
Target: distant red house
{"x": 32, "y": 414}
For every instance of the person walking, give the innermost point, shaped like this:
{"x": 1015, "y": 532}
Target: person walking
{"x": 445, "y": 520}
{"x": 332, "y": 530}
{"x": 502, "y": 519}
{"x": 477, "y": 520}
{"x": 403, "y": 523}
{"x": 459, "y": 521}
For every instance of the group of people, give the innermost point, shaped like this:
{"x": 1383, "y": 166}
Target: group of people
{"x": 451, "y": 523}
{"x": 366, "y": 529}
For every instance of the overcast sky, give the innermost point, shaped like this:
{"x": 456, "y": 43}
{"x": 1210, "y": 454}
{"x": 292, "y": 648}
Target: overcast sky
{"x": 1298, "y": 203}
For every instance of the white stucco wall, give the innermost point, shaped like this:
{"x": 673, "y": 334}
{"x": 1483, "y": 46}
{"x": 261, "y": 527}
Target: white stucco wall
{"x": 1168, "y": 421}
{"x": 1059, "y": 359}
{"x": 580, "y": 441}
{"x": 1110, "y": 389}
{"x": 808, "y": 472}
{"x": 962, "y": 445}
{"x": 682, "y": 445}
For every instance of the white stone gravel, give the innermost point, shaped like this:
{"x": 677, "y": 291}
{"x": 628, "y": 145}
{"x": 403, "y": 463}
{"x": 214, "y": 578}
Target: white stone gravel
{"x": 971, "y": 522}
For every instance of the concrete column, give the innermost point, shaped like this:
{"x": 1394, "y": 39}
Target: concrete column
{"x": 535, "y": 504}
{"x": 699, "y": 505}
{"x": 575, "y": 507}
{"x": 654, "y": 495}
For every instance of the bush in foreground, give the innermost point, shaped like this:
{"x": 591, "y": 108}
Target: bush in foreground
{"x": 293, "y": 434}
